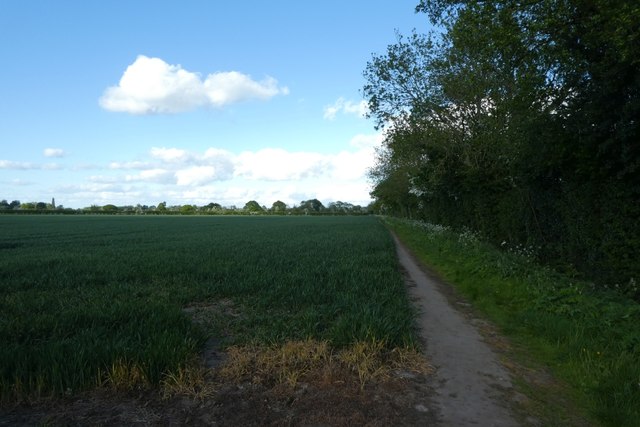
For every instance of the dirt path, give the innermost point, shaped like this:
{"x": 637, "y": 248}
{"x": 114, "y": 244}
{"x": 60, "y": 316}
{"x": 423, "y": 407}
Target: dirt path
{"x": 471, "y": 385}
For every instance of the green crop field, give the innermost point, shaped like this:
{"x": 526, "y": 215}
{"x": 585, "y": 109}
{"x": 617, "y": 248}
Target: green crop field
{"x": 80, "y": 296}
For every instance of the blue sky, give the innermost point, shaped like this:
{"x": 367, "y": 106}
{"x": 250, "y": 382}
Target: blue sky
{"x": 130, "y": 102}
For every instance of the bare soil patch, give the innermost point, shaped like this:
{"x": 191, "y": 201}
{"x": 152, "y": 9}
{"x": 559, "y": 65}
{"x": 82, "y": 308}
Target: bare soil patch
{"x": 337, "y": 400}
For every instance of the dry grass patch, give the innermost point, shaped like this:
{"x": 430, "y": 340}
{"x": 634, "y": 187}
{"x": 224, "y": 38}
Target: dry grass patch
{"x": 373, "y": 361}
{"x": 271, "y": 365}
{"x": 192, "y": 380}
{"x": 124, "y": 376}
{"x": 295, "y": 361}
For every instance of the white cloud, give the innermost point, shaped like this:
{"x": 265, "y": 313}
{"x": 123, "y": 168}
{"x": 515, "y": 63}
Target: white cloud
{"x": 9, "y": 164}
{"x": 275, "y": 164}
{"x": 350, "y": 166}
{"x": 359, "y": 109}
{"x": 83, "y": 195}
{"x": 53, "y": 152}
{"x": 269, "y": 173}
{"x": 213, "y": 153}
{"x": 222, "y": 160}
{"x": 169, "y": 154}
{"x": 230, "y": 87}
{"x": 274, "y": 168}
{"x": 153, "y": 175}
{"x": 94, "y": 187}
{"x": 151, "y": 86}
{"x": 129, "y": 165}
{"x": 196, "y": 175}
{"x": 351, "y": 192}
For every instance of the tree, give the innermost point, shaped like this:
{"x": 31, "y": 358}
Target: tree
{"x": 394, "y": 194}
{"x": 109, "y": 208}
{"x": 341, "y": 207}
{"x": 213, "y": 207}
{"x": 187, "y": 209}
{"x": 253, "y": 207}
{"x": 311, "y": 206}
{"x": 518, "y": 120}
{"x": 278, "y": 207}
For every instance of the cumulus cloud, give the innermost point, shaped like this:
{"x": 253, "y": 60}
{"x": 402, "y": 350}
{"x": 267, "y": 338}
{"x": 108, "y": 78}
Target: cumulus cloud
{"x": 349, "y": 166}
{"x": 196, "y": 175}
{"x": 275, "y": 164}
{"x": 221, "y": 160}
{"x": 352, "y": 192}
{"x": 344, "y": 106}
{"x": 53, "y": 152}
{"x": 231, "y": 87}
{"x": 179, "y": 166}
{"x": 152, "y": 86}
{"x": 169, "y": 165}
{"x": 156, "y": 175}
{"x": 194, "y": 168}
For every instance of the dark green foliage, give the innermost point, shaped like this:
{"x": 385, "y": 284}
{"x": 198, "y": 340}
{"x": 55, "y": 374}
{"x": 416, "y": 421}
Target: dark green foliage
{"x": 311, "y": 206}
{"x": 519, "y": 121}
{"x": 253, "y": 207}
{"x": 278, "y": 207}
{"x": 81, "y": 293}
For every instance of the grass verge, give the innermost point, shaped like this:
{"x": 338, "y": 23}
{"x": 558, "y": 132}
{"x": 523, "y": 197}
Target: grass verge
{"x": 588, "y": 337}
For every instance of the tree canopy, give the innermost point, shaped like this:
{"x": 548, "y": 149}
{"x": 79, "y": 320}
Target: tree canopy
{"x": 253, "y": 207}
{"x": 278, "y": 207}
{"x": 519, "y": 119}
{"x": 312, "y": 205}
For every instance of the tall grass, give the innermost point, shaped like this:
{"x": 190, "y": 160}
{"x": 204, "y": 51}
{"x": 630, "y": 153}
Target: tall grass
{"x": 101, "y": 300}
{"x": 590, "y": 338}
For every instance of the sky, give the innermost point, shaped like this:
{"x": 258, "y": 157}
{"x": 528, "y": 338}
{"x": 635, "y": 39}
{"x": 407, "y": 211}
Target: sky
{"x": 190, "y": 102}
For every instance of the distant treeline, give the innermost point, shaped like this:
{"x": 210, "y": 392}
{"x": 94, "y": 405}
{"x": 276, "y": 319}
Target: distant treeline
{"x": 306, "y": 207}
